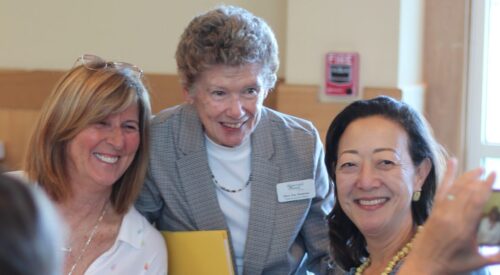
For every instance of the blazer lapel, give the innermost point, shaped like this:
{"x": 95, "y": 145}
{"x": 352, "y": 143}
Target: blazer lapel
{"x": 264, "y": 177}
{"x": 195, "y": 174}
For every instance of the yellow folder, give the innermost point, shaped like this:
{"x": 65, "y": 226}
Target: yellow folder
{"x": 198, "y": 252}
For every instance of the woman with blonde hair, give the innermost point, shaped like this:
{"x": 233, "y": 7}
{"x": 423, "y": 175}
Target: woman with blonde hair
{"x": 89, "y": 152}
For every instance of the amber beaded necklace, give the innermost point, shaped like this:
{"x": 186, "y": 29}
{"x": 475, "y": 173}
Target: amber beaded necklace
{"x": 401, "y": 254}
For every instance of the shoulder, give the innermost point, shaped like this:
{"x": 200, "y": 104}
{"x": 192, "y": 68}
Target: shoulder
{"x": 139, "y": 249}
{"x": 288, "y": 123}
{"x": 176, "y": 129}
{"x": 23, "y": 177}
{"x": 18, "y": 175}
{"x": 286, "y": 136}
{"x": 166, "y": 114}
{"x": 139, "y": 233}
{"x": 151, "y": 236}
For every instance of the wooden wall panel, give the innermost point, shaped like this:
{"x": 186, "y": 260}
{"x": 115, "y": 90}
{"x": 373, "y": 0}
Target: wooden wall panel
{"x": 446, "y": 37}
{"x": 302, "y": 101}
{"x": 26, "y": 89}
{"x": 15, "y": 129}
{"x": 165, "y": 91}
{"x": 371, "y": 92}
{"x": 29, "y": 89}
{"x": 22, "y": 94}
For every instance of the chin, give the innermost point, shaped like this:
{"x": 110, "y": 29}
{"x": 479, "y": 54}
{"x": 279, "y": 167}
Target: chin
{"x": 369, "y": 228}
{"x": 231, "y": 142}
{"x": 108, "y": 180}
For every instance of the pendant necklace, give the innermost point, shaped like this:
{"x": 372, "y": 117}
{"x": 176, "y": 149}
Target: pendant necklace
{"x": 87, "y": 243}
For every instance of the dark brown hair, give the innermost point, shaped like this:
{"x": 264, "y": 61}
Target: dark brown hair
{"x": 347, "y": 242}
{"x": 31, "y": 231}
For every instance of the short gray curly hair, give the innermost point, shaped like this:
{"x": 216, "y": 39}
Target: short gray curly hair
{"x": 226, "y": 35}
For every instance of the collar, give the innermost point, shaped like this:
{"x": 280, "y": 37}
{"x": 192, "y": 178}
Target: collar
{"x": 132, "y": 229}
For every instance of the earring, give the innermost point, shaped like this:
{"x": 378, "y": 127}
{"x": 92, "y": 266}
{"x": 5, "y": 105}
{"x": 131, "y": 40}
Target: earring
{"x": 416, "y": 196}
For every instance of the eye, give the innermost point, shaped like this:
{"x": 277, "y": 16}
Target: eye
{"x": 218, "y": 93}
{"x": 347, "y": 167}
{"x": 131, "y": 127}
{"x": 101, "y": 124}
{"x": 385, "y": 164}
{"x": 250, "y": 93}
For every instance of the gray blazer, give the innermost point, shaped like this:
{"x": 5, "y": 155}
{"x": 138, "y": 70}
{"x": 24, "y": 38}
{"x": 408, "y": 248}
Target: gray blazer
{"x": 179, "y": 194}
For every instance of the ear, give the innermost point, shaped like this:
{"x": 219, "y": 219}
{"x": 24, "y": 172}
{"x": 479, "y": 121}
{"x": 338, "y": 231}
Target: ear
{"x": 187, "y": 96}
{"x": 421, "y": 173}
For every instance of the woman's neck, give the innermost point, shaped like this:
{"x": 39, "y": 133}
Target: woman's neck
{"x": 84, "y": 202}
{"x": 383, "y": 249}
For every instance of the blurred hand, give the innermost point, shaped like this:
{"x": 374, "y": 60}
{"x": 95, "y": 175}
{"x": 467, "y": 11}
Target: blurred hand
{"x": 447, "y": 244}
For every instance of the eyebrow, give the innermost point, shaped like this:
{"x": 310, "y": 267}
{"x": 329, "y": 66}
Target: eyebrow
{"x": 349, "y": 152}
{"x": 243, "y": 87}
{"x": 378, "y": 150}
{"x": 131, "y": 120}
{"x": 384, "y": 149}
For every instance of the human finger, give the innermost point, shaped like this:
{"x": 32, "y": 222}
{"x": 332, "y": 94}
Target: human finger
{"x": 459, "y": 208}
{"x": 479, "y": 193}
{"x": 473, "y": 198}
{"x": 490, "y": 180}
{"x": 448, "y": 178}
{"x": 461, "y": 187}
{"x": 478, "y": 190}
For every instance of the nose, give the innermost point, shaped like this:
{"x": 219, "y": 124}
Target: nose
{"x": 116, "y": 138}
{"x": 367, "y": 178}
{"x": 235, "y": 109}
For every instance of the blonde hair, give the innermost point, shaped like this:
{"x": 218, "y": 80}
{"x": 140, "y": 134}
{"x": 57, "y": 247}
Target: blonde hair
{"x": 83, "y": 97}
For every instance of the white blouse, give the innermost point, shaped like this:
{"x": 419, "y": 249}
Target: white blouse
{"x": 138, "y": 249}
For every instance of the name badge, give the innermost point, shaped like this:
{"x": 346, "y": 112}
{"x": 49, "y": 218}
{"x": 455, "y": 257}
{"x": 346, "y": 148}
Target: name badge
{"x": 295, "y": 190}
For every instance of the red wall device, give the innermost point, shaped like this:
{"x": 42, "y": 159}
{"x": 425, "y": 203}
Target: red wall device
{"x": 342, "y": 74}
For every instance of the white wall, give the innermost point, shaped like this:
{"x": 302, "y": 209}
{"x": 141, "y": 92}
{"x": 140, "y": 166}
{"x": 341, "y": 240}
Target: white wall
{"x": 387, "y": 34}
{"x": 316, "y": 27}
{"x": 51, "y": 34}
{"x": 410, "y": 61}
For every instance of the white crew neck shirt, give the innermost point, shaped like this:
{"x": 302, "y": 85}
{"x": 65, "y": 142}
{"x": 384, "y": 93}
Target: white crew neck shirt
{"x": 231, "y": 168}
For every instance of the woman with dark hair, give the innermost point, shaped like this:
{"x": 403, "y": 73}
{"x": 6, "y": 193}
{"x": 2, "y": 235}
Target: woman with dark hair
{"x": 30, "y": 231}
{"x": 386, "y": 165}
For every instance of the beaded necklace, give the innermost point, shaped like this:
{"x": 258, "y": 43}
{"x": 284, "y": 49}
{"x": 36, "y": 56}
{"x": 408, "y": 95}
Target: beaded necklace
{"x": 401, "y": 254}
{"x": 227, "y": 189}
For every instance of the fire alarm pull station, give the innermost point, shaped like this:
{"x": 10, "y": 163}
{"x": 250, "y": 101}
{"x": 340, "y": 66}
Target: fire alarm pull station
{"x": 342, "y": 74}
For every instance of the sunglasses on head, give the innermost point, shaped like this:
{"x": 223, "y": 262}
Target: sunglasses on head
{"x": 96, "y": 63}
